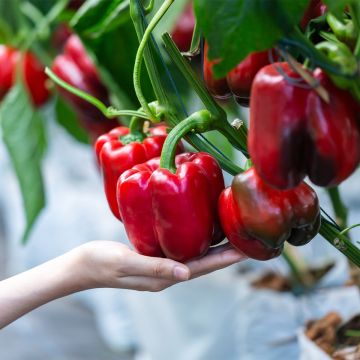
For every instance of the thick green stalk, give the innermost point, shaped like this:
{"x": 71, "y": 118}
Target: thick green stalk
{"x": 192, "y": 77}
{"x": 172, "y": 116}
{"x": 340, "y": 210}
{"x": 341, "y": 242}
{"x": 139, "y": 57}
{"x": 235, "y": 136}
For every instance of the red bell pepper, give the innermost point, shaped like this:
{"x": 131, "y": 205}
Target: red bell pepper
{"x": 115, "y": 155}
{"x": 217, "y": 87}
{"x": 257, "y": 219}
{"x": 8, "y": 60}
{"x": 172, "y": 214}
{"x": 33, "y": 73}
{"x": 238, "y": 81}
{"x": 294, "y": 133}
{"x": 76, "y": 68}
{"x": 184, "y": 28}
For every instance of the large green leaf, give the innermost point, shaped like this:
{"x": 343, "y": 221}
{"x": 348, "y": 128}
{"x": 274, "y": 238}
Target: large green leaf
{"x": 96, "y": 17}
{"x": 24, "y": 137}
{"x": 68, "y": 120}
{"x": 235, "y": 28}
{"x": 335, "y": 5}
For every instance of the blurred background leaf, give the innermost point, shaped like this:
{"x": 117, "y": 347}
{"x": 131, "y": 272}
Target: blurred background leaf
{"x": 68, "y": 120}
{"x": 24, "y": 136}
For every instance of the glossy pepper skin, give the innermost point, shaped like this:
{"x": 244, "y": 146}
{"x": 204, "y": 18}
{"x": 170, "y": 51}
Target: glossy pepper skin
{"x": 33, "y": 72}
{"x": 238, "y": 81}
{"x": 257, "y": 219}
{"x": 115, "y": 156}
{"x": 76, "y": 68}
{"x": 183, "y": 29}
{"x": 172, "y": 215}
{"x": 294, "y": 133}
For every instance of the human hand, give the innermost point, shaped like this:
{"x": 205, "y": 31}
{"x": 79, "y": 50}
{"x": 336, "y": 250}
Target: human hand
{"x": 115, "y": 265}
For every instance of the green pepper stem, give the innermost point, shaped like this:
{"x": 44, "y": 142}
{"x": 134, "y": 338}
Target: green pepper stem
{"x": 109, "y": 112}
{"x": 139, "y": 57}
{"x": 136, "y": 125}
{"x": 340, "y": 210}
{"x": 200, "y": 121}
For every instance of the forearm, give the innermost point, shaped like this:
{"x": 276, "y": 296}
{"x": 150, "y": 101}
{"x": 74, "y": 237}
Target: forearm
{"x": 33, "y": 288}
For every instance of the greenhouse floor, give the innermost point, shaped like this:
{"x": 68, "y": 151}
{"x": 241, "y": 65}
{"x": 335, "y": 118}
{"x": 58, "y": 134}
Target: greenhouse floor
{"x": 61, "y": 330}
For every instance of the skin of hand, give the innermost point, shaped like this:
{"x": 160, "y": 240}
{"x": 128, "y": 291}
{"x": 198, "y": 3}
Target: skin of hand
{"x": 101, "y": 264}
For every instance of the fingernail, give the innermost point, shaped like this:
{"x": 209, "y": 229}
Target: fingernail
{"x": 181, "y": 273}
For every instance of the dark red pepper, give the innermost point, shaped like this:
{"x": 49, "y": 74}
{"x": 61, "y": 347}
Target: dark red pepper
{"x": 76, "y": 68}
{"x": 184, "y": 28}
{"x": 257, "y": 219}
{"x": 294, "y": 133}
{"x": 238, "y": 81}
{"x": 172, "y": 214}
{"x": 33, "y": 72}
{"x": 115, "y": 156}
{"x": 315, "y": 9}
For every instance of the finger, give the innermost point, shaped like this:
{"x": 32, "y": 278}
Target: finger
{"x": 161, "y": 268}
{"x": 144, "y": 283}
{"x": 215, "y": 260}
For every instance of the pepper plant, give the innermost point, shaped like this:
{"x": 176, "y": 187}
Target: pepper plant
{"x": 296, "y": 64}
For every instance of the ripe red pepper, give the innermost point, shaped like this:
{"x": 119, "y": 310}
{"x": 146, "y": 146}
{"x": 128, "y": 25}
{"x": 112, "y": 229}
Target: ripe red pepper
{"x": 257, "y": 219}
{"x": 238, "y": 81}
{"x": 315, "y": 9}
{"x": 115, "y": 155}
{"x": 76, "y": 68}
{"x": 172, "y": 214}
{"x": 217, "y": 87}
{"x": 183, "y": 29}
{"x": 33, "y": 73}
{"x": 294, "y": 133}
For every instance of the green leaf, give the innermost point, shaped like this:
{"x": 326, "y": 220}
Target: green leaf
{"x": 96, "y": 17}
{"x": 68, "y": 120}
{"x": 24, "y": 137}
{"x": 335, "y": 5}
{"x": 235, "y": 28}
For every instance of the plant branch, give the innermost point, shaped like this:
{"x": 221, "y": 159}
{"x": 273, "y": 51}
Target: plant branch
{"x": 109, "y": 112}
{"x": 140, "y": 54}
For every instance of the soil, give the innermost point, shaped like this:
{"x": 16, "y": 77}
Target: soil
{"x": 340, "y": 342}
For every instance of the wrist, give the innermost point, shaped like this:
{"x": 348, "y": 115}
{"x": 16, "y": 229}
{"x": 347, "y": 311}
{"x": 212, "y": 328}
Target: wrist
{"x": 78, "y": 269}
